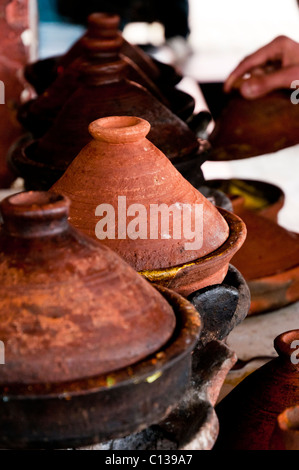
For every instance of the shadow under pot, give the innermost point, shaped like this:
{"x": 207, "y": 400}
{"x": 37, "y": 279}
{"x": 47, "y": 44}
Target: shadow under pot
{"x": 166, "y": 229}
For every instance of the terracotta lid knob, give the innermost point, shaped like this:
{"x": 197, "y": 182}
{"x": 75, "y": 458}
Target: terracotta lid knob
{"x": 103, "y": 24}
{"x": 102, "y": 45}
{"x": 35, "y": 214}
{"x": 286, "y": 345}
{"x": 119, "y": 129}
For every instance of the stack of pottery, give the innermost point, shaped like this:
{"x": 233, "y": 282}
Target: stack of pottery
{"x": 121, "y": 166}
{"x": 86, "y": 338}
{"x": 100, "y": 26}
{"x": 39, "y": 114}
{"x": 105, "y": 92}
{"x": 248, "y": 415}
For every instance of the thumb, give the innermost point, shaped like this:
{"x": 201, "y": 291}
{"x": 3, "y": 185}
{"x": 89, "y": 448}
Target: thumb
{"x": 258, "y": 86}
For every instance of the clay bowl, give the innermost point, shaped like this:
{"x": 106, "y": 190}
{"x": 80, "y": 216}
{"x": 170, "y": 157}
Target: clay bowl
{"x": 104, "y": 407}
{"x": 208, "y": 270}
{"x": 265, "y": 198}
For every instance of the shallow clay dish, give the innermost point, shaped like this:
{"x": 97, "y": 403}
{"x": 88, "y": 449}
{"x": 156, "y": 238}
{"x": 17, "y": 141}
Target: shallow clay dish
{"x": 264, "y": 198}
{"x": 269, "y": 262}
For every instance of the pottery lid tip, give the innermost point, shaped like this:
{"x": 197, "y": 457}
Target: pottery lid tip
{"x": 119, "y": 129}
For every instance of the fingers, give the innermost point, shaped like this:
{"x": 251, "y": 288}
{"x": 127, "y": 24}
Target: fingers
{"x": 259, "y": 86}
{"x": 271, "y": 52}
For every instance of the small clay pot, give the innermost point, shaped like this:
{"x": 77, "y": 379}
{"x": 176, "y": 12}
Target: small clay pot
{"x": 248, "y": 414}
{"x": 70, "y": 307}
{"x": 286, "y": 433}
{"x": 269, "y": 261}
{"x": 121, "y": 162}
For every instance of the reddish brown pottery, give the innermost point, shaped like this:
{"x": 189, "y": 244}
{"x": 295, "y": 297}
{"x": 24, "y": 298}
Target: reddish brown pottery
{"x": 70, "y": 307}
{"x": 15, "y": 19}
{"x": 286, "y": 433}
{"x": 249, "y": 128}
{"x": 248, "y": 414}
{"x": 120, "y": 161}
{"x": 39, "y": 114}
{"x": 264, "y": 198}
{"x": 269, "y": 261}
{"x": 100, "y": 26}
{"x": 107, "y": 92}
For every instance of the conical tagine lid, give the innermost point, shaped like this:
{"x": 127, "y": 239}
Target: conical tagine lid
{"x": 109, "y": 93}
{"x": 120, "y": 173}
{"x": 70, "y": 307}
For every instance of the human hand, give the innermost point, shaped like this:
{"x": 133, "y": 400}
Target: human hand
{"x": 274, "y": 66}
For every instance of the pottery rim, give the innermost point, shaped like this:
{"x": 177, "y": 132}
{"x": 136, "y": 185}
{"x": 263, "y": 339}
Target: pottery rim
{"x": 236, "y": 238}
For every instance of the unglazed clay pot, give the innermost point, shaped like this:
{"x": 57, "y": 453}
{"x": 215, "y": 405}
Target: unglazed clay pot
{"x": 70, "y": 307}
{"x": 121, "y": 166}
{"x": 249, "y": 128}
{"x": 107, "y": 92}
{"x": 248, "y": 414}
{"x": 286, "y": 433}
{"x": 108, "y": 406}
{"x": 269, "y": 261}
{"x": 100, "y": 26}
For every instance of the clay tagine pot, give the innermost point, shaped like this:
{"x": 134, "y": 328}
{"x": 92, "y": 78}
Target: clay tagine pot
{"x": 249, "y": 128}
{"x": 60, "y": 287}
{"x": 107, "y": 92}
{"x": 286, "y": 433}
{"x": 269, "y": 261}
{"x": 92, "y": 350}
{"x": 248, "y": 414}
{"x": 120, "y": 162}
{"x": 38, "y": 115}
